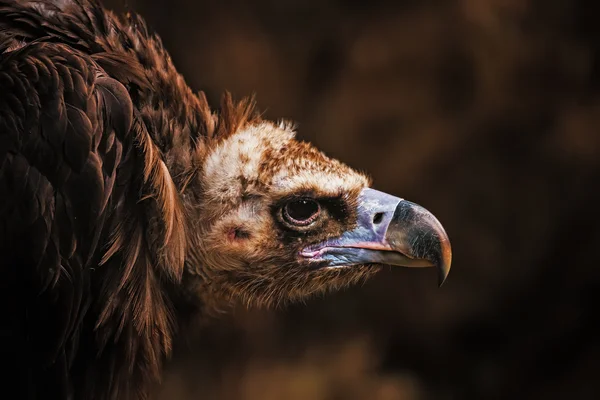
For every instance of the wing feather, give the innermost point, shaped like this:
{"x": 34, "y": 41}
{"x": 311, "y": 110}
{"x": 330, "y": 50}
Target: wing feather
{"x": 92, "y": 230}
{"x": 61, "y": 121}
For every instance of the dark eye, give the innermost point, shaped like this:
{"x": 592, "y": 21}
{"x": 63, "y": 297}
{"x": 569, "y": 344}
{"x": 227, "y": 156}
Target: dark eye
{"x": 301, "y": 212}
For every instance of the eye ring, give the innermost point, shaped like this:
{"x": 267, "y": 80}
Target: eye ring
{"x": 301, "y": 212}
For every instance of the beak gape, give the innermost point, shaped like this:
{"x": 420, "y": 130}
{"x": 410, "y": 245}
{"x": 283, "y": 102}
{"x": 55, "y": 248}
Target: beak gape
{"x": 389, "y": 230}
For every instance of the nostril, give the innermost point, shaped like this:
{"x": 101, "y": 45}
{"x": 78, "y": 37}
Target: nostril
{"x": 377, "y": 218}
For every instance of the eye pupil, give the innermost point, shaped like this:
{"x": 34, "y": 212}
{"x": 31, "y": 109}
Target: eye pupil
{"x": 301, "y": 212}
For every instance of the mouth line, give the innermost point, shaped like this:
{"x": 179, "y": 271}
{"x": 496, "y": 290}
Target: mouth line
{"x": 314, "y": 251}
{"x": 333, "y": 255}
{"x": 333, "y": 267}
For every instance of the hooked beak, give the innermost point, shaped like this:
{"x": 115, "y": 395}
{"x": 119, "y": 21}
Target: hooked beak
{"x": 389, "y": 231}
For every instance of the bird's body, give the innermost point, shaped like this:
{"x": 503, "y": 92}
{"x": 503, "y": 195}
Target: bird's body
{"x": 126, "y": 202}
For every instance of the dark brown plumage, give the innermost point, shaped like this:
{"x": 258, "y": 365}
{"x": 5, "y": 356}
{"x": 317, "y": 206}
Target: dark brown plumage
{"x": 127, "y": 203}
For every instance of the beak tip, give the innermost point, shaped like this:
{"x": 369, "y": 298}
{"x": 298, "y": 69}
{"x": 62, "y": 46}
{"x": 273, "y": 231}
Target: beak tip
{"x": 442, "y": 278}
{"x": 445, "y": 264}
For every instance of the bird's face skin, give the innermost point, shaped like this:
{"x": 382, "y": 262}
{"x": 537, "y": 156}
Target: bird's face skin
{"x": 281, "y": 221}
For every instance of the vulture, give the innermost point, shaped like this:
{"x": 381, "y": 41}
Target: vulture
{"x": 128, "y": 205}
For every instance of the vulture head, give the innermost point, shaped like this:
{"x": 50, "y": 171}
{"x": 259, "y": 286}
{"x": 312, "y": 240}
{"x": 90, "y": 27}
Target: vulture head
{"x": 278, "y": 221}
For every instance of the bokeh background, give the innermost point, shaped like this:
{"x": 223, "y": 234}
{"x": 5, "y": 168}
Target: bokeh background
{"x": 486, "y": 112}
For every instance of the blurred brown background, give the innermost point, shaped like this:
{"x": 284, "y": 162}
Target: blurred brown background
{"x": 486, "y": 112}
